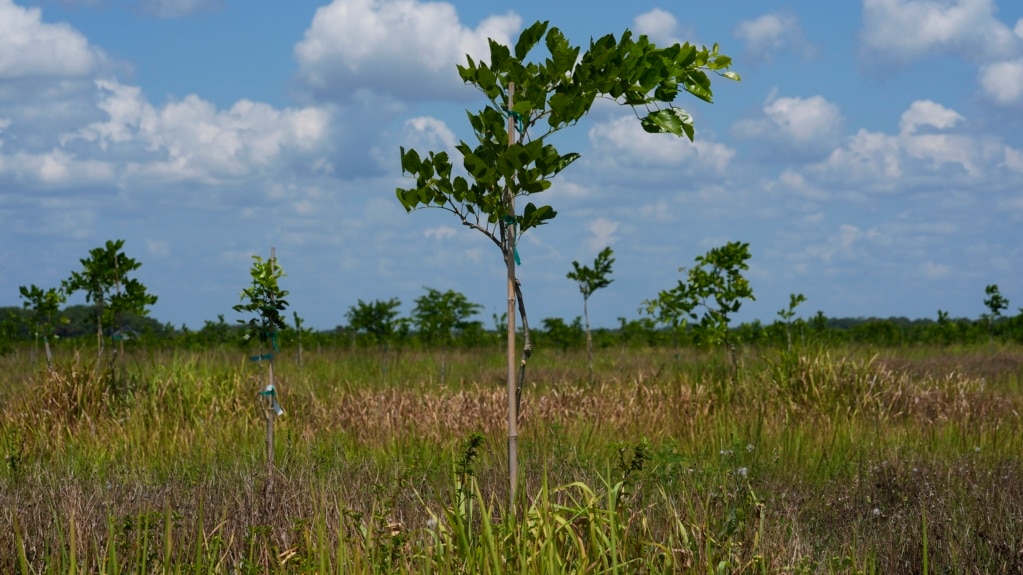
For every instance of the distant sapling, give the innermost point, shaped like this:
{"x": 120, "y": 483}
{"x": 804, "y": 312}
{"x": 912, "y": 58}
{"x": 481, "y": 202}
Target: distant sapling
{"x": 44, "y": 304}
{"x": 995, "y": 303}
{"x": 104, "y": 279}
{"x": 715, "y": 285}
{"x": 591, "y": 280}
{"x": 265, "y": 299}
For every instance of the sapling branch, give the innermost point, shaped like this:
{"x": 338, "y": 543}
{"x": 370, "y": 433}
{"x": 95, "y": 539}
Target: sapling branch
{"x": 527, "y": 349}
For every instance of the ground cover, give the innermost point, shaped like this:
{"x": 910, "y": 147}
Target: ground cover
{"x": 814, "y": 460}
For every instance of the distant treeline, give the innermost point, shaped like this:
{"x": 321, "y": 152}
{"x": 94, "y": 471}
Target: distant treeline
{"x": 77, "y": 323}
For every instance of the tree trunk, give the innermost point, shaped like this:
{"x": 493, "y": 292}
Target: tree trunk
{"x": 589, "y": 337}
{"x": 509, "y": 259}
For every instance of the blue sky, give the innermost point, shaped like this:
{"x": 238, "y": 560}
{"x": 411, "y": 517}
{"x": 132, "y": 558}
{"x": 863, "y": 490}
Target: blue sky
{"x": 872, "y": 155}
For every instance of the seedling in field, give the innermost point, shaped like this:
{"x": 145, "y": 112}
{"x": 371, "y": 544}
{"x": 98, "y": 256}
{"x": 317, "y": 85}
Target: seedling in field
{"x": 710, "y": 293}
{"x": 995, "y": 303}
{"x": 45, "y": 304}
{"x": 265, "y": 299}
{"x": 104, "y": 279}
{"x": 591, "y": 280}
{"x": 512, "y": 159}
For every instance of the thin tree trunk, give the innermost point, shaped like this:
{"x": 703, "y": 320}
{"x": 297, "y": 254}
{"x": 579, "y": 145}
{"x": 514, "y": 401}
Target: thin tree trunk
{"x": 527, "y": 350}
{"x": 49, "y": 355}
{"x": 513, "y": 387}
{"x": 589, "y": 337}
{"x": 272, "y": 413}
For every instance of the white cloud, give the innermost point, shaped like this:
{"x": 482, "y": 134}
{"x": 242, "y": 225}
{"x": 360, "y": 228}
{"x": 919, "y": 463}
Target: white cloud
{"x": 179, "y": 8}
{"x": 439, "y": 233}
{"x": 904, "y": 30}
{"x": 658, "y": 25}
{"x": 882, "y": 158}
{"x": 799, "y": 121}
{"x": 927, "y": 113}
{"x": 846, "y": 244}
{"x": 54, "y": 168}
{"x": 603, "y": 233}
{"x": 771, "y": 33}
{"x": 31, "y": 48}
{"x": 866, "y": 156}
{"x": 405, "y": 48}
{"x": 428, "y": 133}
{"x": 1002, "y": 82}
{"x": 158, "y": 247}
{"x": 1014, "y": 159}
{"x": 931, "y": 270}
{"x": 623, "y": 141}
{"x": 791, "y": 182}
{"x": 191, "y": 140}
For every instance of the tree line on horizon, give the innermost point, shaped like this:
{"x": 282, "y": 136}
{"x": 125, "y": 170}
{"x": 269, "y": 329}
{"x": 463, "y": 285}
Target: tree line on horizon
{"x": 378, "y": 324}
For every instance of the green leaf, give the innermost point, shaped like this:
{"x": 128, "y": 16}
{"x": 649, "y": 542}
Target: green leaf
{"x": 669, "y": 120}
{"x": 533, "y": 216}
{"x": 563, "y": 55}
{"x": 410, "y": 161}
{"x": 529, "y": 38}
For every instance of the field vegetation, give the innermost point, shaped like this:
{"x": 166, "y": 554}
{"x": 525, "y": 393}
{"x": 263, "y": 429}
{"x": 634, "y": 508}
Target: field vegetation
{"x": 813, "y": 457}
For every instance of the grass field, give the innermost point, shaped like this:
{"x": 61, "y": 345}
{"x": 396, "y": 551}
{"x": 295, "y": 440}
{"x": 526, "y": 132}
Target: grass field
{"x": 813, "y": 461}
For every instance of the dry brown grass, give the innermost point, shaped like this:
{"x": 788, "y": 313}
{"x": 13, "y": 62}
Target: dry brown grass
{"x": 846, "y": 456}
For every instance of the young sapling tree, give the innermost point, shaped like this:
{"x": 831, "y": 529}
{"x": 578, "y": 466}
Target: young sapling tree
{"x": 265, "y": 299}
{"x": 438, "y": 315}
{"x": 591, "y": 280}
{"x": 715, "y": 285}
{"x": 529, "y": 100}
{"x": 377, "y": 319}
{"x": 44, "y": 305}
{"x": 786, "y": 316}
{"x": 104, "y": 279}
{"x": 995, "y": 303}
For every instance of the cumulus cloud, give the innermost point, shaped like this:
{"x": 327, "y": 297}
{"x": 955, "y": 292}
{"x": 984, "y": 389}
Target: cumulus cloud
{"x": 659, "y": 25}
{"x": 771, "y": 33}
{"x": 905, "y": 30}
{"x": 931, "y": 270}
{"x": 846, "y": 243}
{"x": 800, "y": 122}
{"x": 405, "y": 48}
{"x": 54, "y": 168}
{"x": 31, "y": 48}
{"x": 179, "y": 8}
{"x": 623, "y": 141}
{"x": 602, "y": 232}
{"x": 1014, "y": 159}
{"x": 439, "y": 233}
{"x": 881, "y": 158}
{"x": 927, "y": 113}
{"x": 1002, "y": 82}
{"x": 191, "y": 139}
{"x": 428, "y": 133}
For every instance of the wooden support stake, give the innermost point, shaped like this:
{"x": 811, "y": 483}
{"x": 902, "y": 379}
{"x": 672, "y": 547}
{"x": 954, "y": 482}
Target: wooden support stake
{"x": 271, "y": 413}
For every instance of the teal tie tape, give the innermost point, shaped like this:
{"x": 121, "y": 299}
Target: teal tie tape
{"x": 510, "y": 221}
{"x": 520, "y": 122}
{"x": 265, "y": 356}
{"x": 272, "y": 394}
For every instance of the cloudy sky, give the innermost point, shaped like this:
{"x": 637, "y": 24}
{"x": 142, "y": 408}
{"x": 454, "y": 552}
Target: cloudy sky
{"x": 872, "y": 155}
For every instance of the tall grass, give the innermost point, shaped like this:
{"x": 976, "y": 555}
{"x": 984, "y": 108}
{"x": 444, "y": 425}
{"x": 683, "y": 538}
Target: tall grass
{"x": 814, "y": 461}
